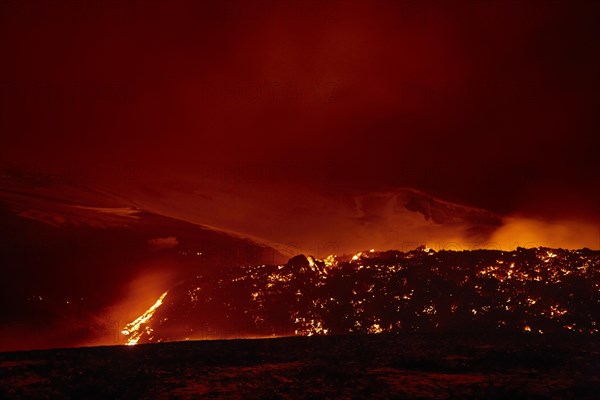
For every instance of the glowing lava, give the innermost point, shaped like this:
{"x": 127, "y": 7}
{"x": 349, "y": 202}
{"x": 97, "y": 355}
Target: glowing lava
{"x": 133, "y": 330}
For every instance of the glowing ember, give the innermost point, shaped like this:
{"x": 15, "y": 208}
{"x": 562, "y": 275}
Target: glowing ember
{"x": 134, "y": 329}
{"x": 329, "y": 260}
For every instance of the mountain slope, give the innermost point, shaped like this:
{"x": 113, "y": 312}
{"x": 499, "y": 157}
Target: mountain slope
{"x": 77, "y": 263}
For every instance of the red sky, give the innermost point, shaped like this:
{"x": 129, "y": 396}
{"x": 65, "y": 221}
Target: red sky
{"x": 490, "y": 104}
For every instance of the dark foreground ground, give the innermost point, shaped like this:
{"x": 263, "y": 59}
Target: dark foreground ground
{"x": 375, "y": 366}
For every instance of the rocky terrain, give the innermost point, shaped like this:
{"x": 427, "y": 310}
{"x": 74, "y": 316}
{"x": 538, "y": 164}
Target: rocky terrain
{"x": 415, "y": 366}
{"x": 536, "y": 291}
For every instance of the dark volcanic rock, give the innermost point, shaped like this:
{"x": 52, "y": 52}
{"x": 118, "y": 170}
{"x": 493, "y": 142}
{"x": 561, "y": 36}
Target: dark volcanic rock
{"x": 537, "y": 290}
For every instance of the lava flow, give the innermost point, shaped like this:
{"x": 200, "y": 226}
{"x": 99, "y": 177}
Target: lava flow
{"x": 537, "y": 290}
{"x": 135, "y": 329}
